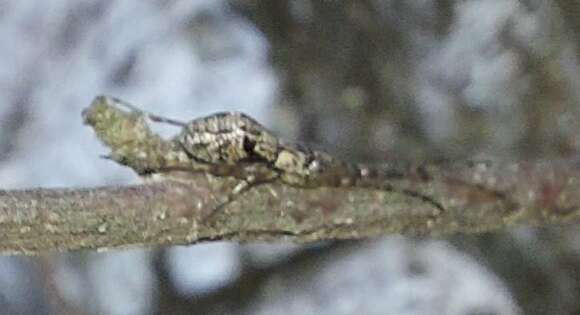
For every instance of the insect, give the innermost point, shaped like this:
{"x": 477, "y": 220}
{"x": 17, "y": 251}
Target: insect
{"x": 234, "y": 144}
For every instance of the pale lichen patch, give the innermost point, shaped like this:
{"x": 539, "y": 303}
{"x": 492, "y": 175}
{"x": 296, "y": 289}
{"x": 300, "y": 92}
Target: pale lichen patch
{"x": 103, "y": 227}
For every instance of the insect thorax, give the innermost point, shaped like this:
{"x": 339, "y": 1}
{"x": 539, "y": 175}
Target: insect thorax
{"x": 228, "y": 138}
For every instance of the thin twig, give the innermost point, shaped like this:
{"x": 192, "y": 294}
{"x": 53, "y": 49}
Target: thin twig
{"x": 476, "y": 198}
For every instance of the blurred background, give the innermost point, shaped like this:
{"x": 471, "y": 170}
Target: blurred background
{"x": 367, "y": 80}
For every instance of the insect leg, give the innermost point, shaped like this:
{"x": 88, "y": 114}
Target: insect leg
{"x": 414, "y": 194}
{"x": 242, "y": 187}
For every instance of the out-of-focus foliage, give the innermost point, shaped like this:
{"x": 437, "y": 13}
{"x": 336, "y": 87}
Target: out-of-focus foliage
{"x": 368, "y": 80}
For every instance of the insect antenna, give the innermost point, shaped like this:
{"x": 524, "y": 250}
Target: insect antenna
{"x": 151, "y": 116}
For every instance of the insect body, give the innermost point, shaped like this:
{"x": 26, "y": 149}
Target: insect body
{"x": 235, "y": 145}
{"x": 233, "y": 140}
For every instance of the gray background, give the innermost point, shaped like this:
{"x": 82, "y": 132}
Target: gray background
{"x": 365, "y": 80}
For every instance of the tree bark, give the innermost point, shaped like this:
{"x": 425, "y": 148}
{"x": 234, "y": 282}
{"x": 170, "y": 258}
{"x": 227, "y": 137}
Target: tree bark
{"x": 180, "y": 208}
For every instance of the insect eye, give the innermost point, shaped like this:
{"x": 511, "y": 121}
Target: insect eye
{"x": 249, "y": 145}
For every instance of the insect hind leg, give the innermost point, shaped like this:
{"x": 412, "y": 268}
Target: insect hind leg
{"x": 440, "y": 209}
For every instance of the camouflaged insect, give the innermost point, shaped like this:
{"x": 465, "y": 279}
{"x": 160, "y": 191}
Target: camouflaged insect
{"x": 235, "y": 145}
{"x": 233, "y": 138}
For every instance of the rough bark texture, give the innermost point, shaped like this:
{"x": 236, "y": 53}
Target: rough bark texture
{"x": 176, "y": 208}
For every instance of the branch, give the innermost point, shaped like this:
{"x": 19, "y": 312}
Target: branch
{"x": 174, "y": 208}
